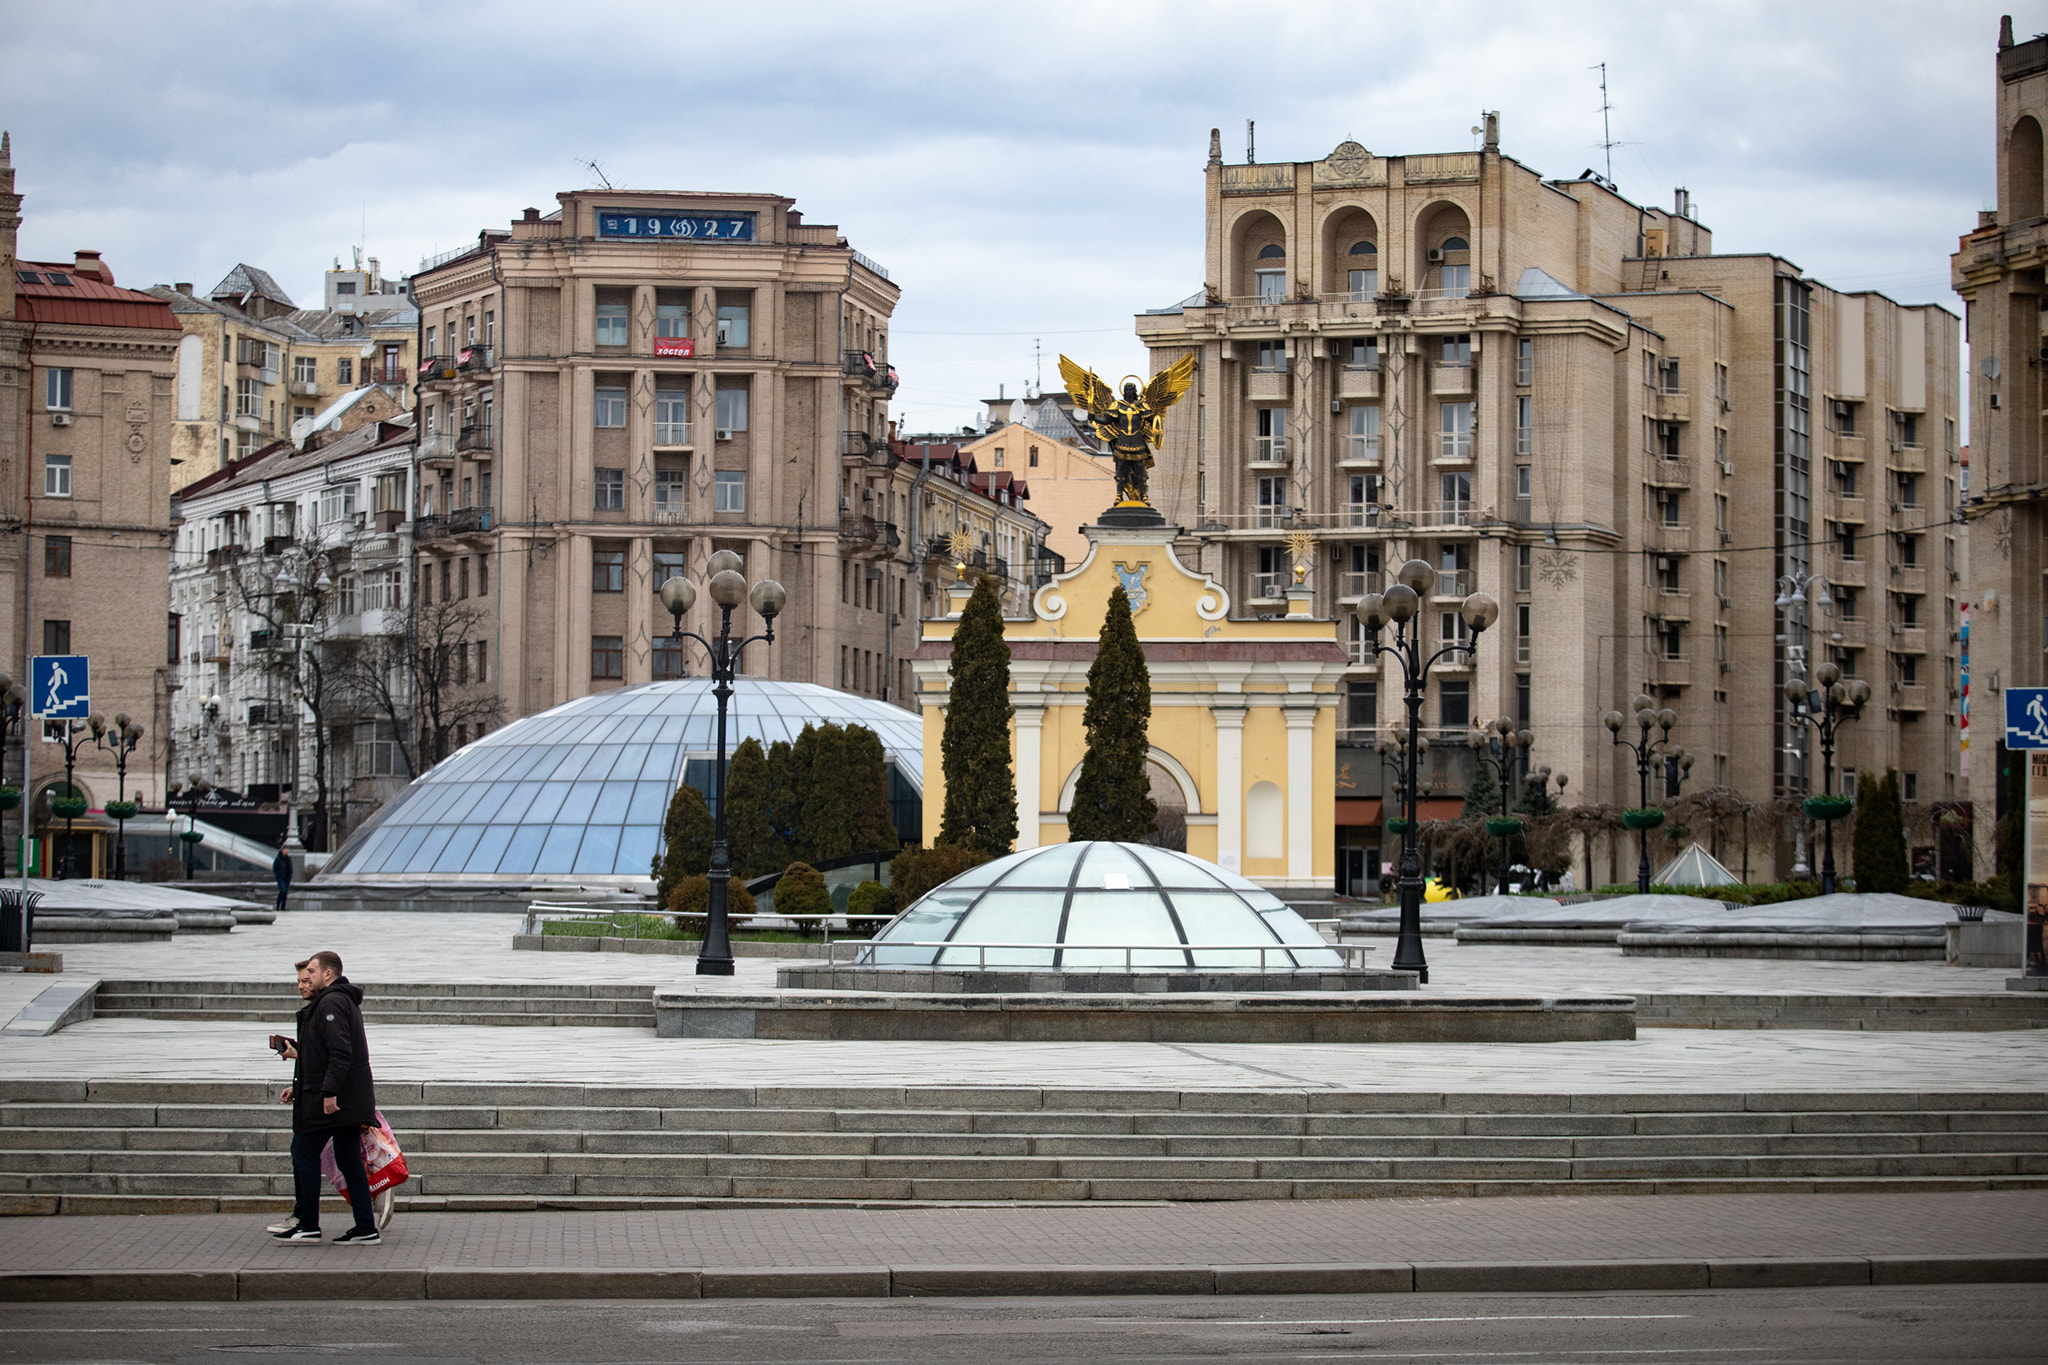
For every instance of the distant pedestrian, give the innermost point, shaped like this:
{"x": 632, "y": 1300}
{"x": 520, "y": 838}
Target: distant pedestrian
{"x": 333, "y": 1098}
{"x": 281, "y": 868}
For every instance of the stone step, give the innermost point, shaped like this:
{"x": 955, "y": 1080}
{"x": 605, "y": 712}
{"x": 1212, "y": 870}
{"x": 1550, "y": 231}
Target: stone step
{"x": 284, "y": 991}
{"x": 466, "y": 1017}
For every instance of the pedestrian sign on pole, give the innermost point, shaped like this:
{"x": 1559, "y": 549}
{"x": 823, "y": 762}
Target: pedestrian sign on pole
{"x": 58, "y": 687}
{"x": 2026, "y": 717}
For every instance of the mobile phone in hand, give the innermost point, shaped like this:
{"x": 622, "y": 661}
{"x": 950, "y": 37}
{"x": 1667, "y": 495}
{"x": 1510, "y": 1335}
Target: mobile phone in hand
{"x": 278, "y": 1043}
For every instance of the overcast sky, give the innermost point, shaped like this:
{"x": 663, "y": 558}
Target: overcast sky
{"x": 1029, "y": 176}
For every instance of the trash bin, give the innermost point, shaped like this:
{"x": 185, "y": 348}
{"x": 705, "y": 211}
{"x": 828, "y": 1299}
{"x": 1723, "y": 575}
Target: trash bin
{"x": 17, "y": 918}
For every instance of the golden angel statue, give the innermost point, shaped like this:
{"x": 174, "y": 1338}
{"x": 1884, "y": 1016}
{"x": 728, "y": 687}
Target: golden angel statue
{"x": 1129, "y": 425}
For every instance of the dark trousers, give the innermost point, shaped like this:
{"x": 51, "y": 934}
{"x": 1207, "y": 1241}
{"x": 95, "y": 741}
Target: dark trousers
{"x": 306, "y": 1178}
{"x": 283, "y": 890}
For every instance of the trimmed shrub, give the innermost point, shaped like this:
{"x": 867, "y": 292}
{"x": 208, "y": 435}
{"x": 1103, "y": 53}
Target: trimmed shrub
{"x": 801, "y": 891}
{"x": 917, "y": 870}
{"x": 692, "y": 896}
{"x": 686, "y": 842}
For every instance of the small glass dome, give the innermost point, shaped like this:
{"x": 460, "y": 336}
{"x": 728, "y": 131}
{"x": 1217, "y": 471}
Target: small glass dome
{"x": 1100, "y": 906}
{"x": 579, "y": 791}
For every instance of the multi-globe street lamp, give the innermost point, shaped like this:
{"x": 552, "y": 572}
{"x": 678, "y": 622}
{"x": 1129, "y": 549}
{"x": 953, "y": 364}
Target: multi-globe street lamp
{"x": 1824, "y": 707}
{"x": 198, "y": 788}
{"x": 1649, "y": 750}
{"x": 1393, "y": 751}
{"x": 727, "y": 583}
{"x": 1400, "y": 606}
{"x": 1498, "y": 746}
{"x": 120, "y": 741}
{"x": 75, "y": 735}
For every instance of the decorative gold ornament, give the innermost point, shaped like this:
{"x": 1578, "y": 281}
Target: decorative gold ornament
{"x": 1129, "y": 425}
{"x": 1303, "y": 546}
{"x": 962, "y": 545}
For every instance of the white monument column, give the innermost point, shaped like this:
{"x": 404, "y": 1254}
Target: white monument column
{"x": 1301, "y": 729}
{"x": 1030, "y": 733}
{"x": 1229, "y": 714}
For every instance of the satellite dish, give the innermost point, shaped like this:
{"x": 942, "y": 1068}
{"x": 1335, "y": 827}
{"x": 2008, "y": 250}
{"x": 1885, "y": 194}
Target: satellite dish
{"x": 1988, "y": 367}
{"x": 301, "y": 429}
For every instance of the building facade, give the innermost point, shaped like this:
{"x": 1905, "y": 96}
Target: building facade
{"x": 86, "y": 373}
{"x": 1568, "y": 401}
{"x": 1999, "y": 269}
{"x": 614, "y": 391}
{"x": 1070, "y": 476}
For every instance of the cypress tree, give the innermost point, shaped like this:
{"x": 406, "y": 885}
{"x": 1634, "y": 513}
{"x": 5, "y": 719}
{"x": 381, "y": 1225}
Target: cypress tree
{"x": 1482, "y": 793}
{"x": 1113, "y": 795}
{"x": 974, "y": 749}
{"x": 750, "y": 838}
{"x": 686, "y": 842}
{"x": 1879, "y": 839}
{"x": 825, "y": 830}
{"x": 874, "y": 825}
{"x": 783, "y": 807}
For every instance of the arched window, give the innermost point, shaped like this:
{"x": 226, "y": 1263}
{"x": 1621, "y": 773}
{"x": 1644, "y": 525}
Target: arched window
{"x": 1364, "y": 249}
{"x": 1276, "y": 252}
{"x": 1456, "y": 244}
{"x": 1365, "y": 278}
{"x": 2023, "y": 172}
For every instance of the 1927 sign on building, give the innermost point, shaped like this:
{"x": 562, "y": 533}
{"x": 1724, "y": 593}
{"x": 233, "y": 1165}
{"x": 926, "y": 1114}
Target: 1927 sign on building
{"x": 701, "y": 227}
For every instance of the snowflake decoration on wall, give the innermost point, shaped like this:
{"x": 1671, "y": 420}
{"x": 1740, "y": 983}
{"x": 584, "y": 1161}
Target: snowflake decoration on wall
{"x": 1557, "y": 568}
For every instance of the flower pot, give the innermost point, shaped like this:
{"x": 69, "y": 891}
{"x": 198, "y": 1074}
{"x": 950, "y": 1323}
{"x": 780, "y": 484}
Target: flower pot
{"x": 1396, "y": 826}
{"x": 10, "y": 797}
{"x": 1970, "y": 914}
{"x": 191, "y": 836}
{"x": 123, "y": 810}
{"x": 1501, "y": 827}
{"x": 1642, "y": 819}
{"x": 67, "y": 807}
{"x": 1828, "y": 807}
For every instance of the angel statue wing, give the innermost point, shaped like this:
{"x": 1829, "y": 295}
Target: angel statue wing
{"x": 1169, "y": 384}
{"x": 1087, "y": 389}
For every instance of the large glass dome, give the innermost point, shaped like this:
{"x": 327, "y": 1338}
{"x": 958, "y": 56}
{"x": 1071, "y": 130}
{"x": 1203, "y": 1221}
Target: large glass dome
{"x": 1080, "y": 906}
{"x": 579, "y": 791}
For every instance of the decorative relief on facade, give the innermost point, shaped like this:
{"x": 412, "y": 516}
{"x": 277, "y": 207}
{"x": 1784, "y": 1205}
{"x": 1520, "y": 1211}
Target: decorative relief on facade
{"x": 1274, "y": 179}
{"x": 1557, "y": 567}
{"x": 1350, "y": 164}
{"x": 1133, "y": 580}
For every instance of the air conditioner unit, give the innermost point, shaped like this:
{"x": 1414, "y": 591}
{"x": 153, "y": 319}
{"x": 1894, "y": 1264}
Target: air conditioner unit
{"x": 725, "y": 433}
{"x": 1728, "y": 468}
{"x": 1727, "y": 604}
{"x": 60, "y": 419}
{"x": 1727, "y": 665}
{"x": 1727, "y": 539}
{"x": 1663, "y": 564}
{"x": 845, "y": 503}
{"x": 1896, "y": 507}
{"x": 1436, "y": 256}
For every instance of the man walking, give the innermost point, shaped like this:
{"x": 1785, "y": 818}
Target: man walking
{"x": 333, "y": 1098}
{"x": 281, "y": 868}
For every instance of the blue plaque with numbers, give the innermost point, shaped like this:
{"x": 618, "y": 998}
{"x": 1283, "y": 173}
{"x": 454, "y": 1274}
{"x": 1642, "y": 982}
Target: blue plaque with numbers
{"x": 650, "y": 226}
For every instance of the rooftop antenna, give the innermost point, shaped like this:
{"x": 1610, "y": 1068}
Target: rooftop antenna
{"x": 597, "y": 171}
{"x": 1037, "y": 366}
{"x": 1607, "y": 143}
{"x": 1251, "y": 143}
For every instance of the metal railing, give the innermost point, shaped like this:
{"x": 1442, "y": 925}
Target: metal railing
{"x": 1361, "y": 514}
{"x": 672, "y": 433}
{"x": 1361, "y": 449}
{"x": 943, "y": 950}
{"x": 1359, "y": 582}
{"x": 1269, "y": 450}
{"x": 1454, "y": 583}
{"x": 1270, "y": 517}
{"x": 476, "y": 438}
{"x": 1268, "y": 585}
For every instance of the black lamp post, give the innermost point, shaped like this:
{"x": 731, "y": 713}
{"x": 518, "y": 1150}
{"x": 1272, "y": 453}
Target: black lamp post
{"x": 1400, "y": 605}
{"x": 77, "y": 734}
{"x": 120, "y": 742}
{"x": 1393, "y": 751}
{"x": 1496, "y": 746}
{"x": 197, "y": 788}
{"x": 13, "y": 698}
{"x": 1825, "y": 708}
{"x": 727, "y": 585}
{"x": 1647, "y": 750}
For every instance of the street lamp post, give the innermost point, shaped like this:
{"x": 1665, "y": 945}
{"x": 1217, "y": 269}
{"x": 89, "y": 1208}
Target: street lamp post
{"x": 289, "y": 579}
{"x": 190, "y": 838}
{"x": 1825, "y": 707}
{"x": 120, "y": 741}
{"x": 1496, "y": 747}
{"x": 1796, "y": 596}
{"x": 69, "y": 806}
{"x": 1400, "y": 606}
{"x": 13, "y": 699}
{"x": 727, "y": 585}
{"x": 1393, "y": 752}
{"x": 1644, "y": 818}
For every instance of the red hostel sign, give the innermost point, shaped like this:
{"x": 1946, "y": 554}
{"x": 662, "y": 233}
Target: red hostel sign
{"x": 683, "y": 346}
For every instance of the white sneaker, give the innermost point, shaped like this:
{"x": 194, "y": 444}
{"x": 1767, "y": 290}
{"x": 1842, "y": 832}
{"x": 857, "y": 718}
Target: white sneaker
{"x": 290, "y": 1223}
{"x": 383, "y": 1207}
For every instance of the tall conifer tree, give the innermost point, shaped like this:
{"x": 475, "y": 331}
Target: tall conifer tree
{"x": 981, "y": 787}
{"x": 874, "y": 825}
{"x": 1113, "y": 795}
{"x": 686, "y": 841}
{"x": 750, "y": 839}
{"x": 1879, "y": 839}
{"x": 825, "y": 830}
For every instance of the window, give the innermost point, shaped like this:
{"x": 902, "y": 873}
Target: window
{"x": 1454, "y": 695}
{"x": 1272, "y": 285}
{"x": 1667, "y": 440}
{"x": 305, "y": 370}
{"x": 1363, "y": 442}
{"x": 671, "y": 319}
{"x": 1361, "y": 705}
{"x": 1457, "y": 349}
{"x": 607, "y": 570}
{"x": 668, "y": 658}
{"x": 431, "y": 352}
{"x": 1909, "y": 429}
{"x": 1909, "y": 490}
{"x": 384, "y": 590}
{"x": 1272, "y": 501}
{"x": 173, "y": 631}
{"x": 1909, "y": 786}
{"x": 669, "y": 491}
{"x": 607, "y": 658}
{"x": 56, "y": 476}
{"x": 56, "y": 637}
{"x": 462, "y": 665}
{"x": 669, "y": 564}
{"x": 1909, "y": 669}
{"x": 1269, "y": 446}
{"x": 611, "y": 407}
{"x": 729, "y": 490}
{"x": 57, "y": 390}
{"x": 1454, "y": 431}
{"x": 1523, "y": 615}
{"x": 732, "y": 409}
{"x": 1909, "y": 550}
{"x": 483, "y": 575}
{"x": 1272, "y": 356}
{"x": 1524, "y": 502}
{"x": 1524, "y": 435}
{"x": 301, "y": 411}
{"x": 447, "y": 580}
{"x": 1273, "y": 572}
{"x": 248, "y": 398}
{"x": 462, "y": 580}
{"x": 1845, "y": 480}
{"x": 1909, "y": 610}
{"x": 1523, "y": 567}
{"x": 1454, "y": 495}
{"x": 1033, "y": 462}
{"x": 56, "y": 556}
{"x": 732, "y": 325}
{"x": 344, "y": 286}
{"x": 1365, "y": 285}
{"x": 610, "y": 490}
{"x": 999, "y": 457}
{"x": 337, "y": 503}
{"x": 1672, "y": 635}
{"x": 1667, "y": 376}
{"x": 1361, "y": 508}
{"x": 1525, "y": 362}
{"x": 1360, "y": 353}
{"x": 345, "y": 371}
{"x": 611, "y": 324}
{"x": 671, "y": 417}
{"x": 1457, "y": 279}
{"x": 1669, "y": 504}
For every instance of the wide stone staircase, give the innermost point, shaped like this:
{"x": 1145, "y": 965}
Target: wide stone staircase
{"x": 140, "y": 1146}
{"x": 540, "y": 1003}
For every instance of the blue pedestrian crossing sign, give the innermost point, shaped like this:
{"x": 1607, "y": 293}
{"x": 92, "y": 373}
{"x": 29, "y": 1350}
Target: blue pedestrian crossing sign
{"x": 58, "y": 687}
{"x": 2026, "y": 717}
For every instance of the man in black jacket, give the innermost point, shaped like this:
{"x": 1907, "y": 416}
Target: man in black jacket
{"x": 333, "y": 1098}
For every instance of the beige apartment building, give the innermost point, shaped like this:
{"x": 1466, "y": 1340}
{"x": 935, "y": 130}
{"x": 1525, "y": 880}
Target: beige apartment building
{"x": 1041, "y": 441}
{"x": 612, "y": 392}
{"x": 86, "y": 370}
{"x": 254, "y": 368}
{"x": 1567, "y": 400}
{"x": 2000, "y": 269}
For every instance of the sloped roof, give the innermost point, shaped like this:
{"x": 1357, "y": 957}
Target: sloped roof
{"x": 1048, "y": 418}
{"x": 280, "y": 458}
{"x": 83, "y": 300}
{"x": 1541, "y": 284}
{"x": 1694, "y": 867}
{"x": 246, "y": 279}
{"x": 332, "y": 326}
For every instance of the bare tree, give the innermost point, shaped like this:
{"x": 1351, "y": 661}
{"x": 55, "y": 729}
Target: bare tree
{"x": 430, "y": 677}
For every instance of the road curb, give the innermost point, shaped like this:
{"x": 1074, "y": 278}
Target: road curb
{"x": 1002, "y": 1281}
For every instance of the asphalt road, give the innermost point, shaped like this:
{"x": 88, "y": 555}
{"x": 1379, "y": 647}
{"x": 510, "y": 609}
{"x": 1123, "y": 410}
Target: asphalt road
{"x": 1752, "y": 1327}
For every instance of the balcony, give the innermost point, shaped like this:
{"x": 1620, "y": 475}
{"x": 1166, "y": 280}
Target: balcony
{"x": 1909, "y": 696}
{"x": 1674, "y": 536}
{"x": 1269, "y": 452}
{"x": 248, "y": 421}
{"x": 863, "y": 534}
{"x": 859, "y": 364}
{"x": 476, "y": 441}
{"x": 1848, "y": 509}
{"x": 1358, "y": 381}
{"x": 1269, "y": 587}
{"x": 1673, "y": 405}
{"x": 1848, "y": 571}
{"x": 1850, "y": 448}
{"x": 1269, "y": 386}
{"x": 1909, "y": 639}
{"x": 1454, "y": 447}
{"x": 1672, "y": 604}
{"x": 1671, "y": 670}
{"x": 437, "y": 447}
{"x": 1271, "y": 518}
{"x": 1909, "y": 578}
{"x": 466, "y": 521}
{"x": 1359, "y": 452}
{"x": 223, "y": 557}
{"x": 384, "y": 374}
{"x": 388, "y": 520}
{"x": 1437, "y": 302}
{"x": 884, "y": 379}
{"x": 305, "y": 388}
{"x": 1907, "y": 459}
{"x": 1849, "y": 633}
{"x": 436, "y": 368}
{"x": 1452, "y": 514}
{"x": 1456, "y": 583}
{"x": 1670, "y": 472}
{"x": 473, "y": 359}
{"x": 1359, "y": 514}
{"x": 1359, "y": 582}
{"x": 1450, "y": 380}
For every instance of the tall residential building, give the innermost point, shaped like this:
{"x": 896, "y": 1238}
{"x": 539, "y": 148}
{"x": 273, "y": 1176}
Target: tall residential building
{"x": 253, "y": 367}
{"x": 1071, "y": 476}
{"x": 1567, "y": 400}
{"x": 2000, "y": 269}
{"x": 86, "y": 371}
{"x": 614, "y": 391}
